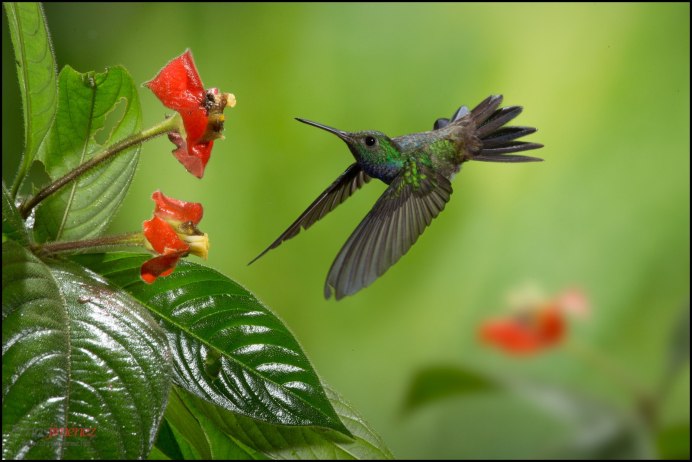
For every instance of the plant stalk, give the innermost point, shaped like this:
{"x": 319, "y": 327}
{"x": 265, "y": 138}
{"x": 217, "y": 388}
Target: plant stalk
{"x": 168, "y": 125}
{"x": 104, "y": 242}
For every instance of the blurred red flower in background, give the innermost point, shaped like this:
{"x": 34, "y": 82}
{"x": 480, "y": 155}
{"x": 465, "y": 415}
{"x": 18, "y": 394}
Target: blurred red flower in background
{"x": 535, "y": 326}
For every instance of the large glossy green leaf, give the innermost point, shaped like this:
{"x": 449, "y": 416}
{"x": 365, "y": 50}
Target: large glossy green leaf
{"x": 94, "y": 111}
{"x": 37, "y": 75}
{"x": 228, "y": 348}
{"x": 433, "y": 383}
{"x": 76, "y": 354}
{"x": 166, "y": 446}
{"x": 157, "y": 454}
{"x": 185, "y": 431}
{"x": 12, "y": 223}
{"x": 223, "y": 446}
{"x": 284, "y": 442}
{"x": 197, "y": 436}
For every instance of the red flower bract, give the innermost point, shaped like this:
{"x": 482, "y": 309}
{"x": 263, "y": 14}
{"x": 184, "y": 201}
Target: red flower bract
{"x": 526, "y": 332}
{"x": 172, "y": 233}
{"x": 173, "y": 209}
{"x": 180, "y": 88}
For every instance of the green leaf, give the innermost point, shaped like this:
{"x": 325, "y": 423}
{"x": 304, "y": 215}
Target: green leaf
{"x": 196, "y": 431}
{"x": 156, "y": 454}
{"x": 12, "y": 223}
{"x": 285, "y": 442}
{"x": 92, "y": 107}
{"x": 225, "y": 447}
{"x": 438, "y": 382}
{"x": 185, "y": 430}
{"x": 37, "y": 77}
{"x": 166, "y": 444}
{"x": 77, "y": 354}
{"x": 673, "y": 442}
{"x": 227, "y": 347}
{"x": 598, "y": 430}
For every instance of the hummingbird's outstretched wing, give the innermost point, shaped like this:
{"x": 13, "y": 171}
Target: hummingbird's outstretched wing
{"x": 416, "y": 196}
{"x": 341, "y": 189}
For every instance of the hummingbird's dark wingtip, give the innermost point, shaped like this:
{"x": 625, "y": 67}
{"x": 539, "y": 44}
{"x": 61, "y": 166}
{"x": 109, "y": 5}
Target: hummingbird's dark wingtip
{"x": 258, "y": 256}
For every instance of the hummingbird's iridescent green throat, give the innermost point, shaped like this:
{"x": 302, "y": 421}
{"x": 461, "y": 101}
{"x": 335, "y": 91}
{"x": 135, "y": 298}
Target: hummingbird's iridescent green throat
{"x": 418, "y": 169}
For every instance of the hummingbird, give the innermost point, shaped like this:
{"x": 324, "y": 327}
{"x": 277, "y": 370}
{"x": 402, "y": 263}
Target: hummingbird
{"x": 418, "y": 169}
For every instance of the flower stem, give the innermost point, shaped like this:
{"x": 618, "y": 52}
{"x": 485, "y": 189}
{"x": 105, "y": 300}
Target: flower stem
{"x": 168, "y": 125}
{"x": 99, "y": 243}
{"x": 645, "y": 402}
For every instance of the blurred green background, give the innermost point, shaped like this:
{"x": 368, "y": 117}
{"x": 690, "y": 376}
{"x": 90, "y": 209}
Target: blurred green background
{"x": 608, "y": 86}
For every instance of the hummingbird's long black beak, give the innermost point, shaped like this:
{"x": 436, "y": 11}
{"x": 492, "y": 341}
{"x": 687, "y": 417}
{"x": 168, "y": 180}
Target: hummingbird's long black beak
{"x": 340, "y": 133}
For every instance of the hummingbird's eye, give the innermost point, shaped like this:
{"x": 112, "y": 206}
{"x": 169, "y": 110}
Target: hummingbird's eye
{"x": 370, "y": 141}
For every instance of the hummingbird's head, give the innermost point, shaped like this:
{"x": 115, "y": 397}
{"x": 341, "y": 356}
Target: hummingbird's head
{"x": 366, "y": 145}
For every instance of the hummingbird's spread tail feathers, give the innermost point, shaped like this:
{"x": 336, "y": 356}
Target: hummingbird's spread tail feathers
{"x": 458, "y": 114}
{"x": 498, "y": 140}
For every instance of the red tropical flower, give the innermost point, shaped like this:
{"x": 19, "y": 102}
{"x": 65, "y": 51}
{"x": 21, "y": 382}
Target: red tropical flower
{"x": 526, "y": 332}
{"x": 172, "y": 233}
{"x": 180, "y": 88}
{"x": 536, "y": 326}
